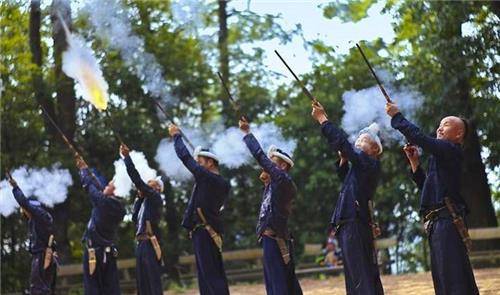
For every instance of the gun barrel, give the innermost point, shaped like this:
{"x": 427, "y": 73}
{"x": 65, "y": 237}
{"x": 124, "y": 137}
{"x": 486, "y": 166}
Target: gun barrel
{"x": 235, "y": 105}
{"x": 387, "y": 98}
{"x": 166, "y": 115}
{"x": 304, "y": 89}
{"x": 69, "y": 144}
{"x": 113, "y": 126}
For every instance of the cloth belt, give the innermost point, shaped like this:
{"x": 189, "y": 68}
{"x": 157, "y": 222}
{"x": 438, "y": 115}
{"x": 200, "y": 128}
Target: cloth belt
{"x": 92, "y": 258}
{"x": 150, "y": 236}
{"x": 216, "y": 237}
{"x": 440, "y": 212}
{"x": 282, "y": 244}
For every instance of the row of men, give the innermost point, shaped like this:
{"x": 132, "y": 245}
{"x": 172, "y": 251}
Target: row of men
{"x": 359, "y": 169}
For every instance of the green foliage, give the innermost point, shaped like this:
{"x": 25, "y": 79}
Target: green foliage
{"x": 424, "y": 55}
{"x": 348, "y": 11}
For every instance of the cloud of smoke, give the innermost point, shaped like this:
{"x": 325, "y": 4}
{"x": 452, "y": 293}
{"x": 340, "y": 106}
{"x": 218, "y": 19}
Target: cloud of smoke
{"x": 49, "y": 186}
{"x": 228, "y": 145}
{"x": 366, "y": 106}
{"x": 122, "y": 181}
{"x": 232, "y": 151}
{"x": 112, "y": 23}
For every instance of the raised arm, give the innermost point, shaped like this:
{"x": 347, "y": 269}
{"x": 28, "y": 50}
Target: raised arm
{"x": 337, "y": 139}
{"x": 187, "y": 159}
{"x": 413, "y": 134}
{"x": 261, "y": 157}
{"x": 36, "y": 211}
{"x": 342, "y": 169}
{"x": 95, "y": 194}
{"x": 136, "y": 178}
{"x": 417, "y": 173}
{"x": 419, "y": 177}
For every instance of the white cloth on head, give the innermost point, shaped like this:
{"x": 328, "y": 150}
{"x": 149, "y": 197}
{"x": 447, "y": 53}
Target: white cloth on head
{"x": 199, "y": 151}
{"x": 373, "y": 131}
{"x": 274, "y": 151}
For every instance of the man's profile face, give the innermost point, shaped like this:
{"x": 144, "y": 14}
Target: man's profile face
{"x": 280, "y": 163}
{"x": 451, "y": 129}
{"x": 205, "y": 162}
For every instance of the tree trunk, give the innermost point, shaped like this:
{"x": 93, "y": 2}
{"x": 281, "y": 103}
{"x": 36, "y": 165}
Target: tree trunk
{"x": 39, "y": 86}
{"x": 64, "y": 84}
{"x": 66, "y": 113}
{"x": 475, "y": 188}
{"x": 223, "y": 54}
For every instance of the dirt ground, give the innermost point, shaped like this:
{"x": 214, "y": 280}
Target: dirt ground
{"x": 488, "y": 281}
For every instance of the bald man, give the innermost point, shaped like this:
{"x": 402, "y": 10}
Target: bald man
{"x": 451, "y": 269}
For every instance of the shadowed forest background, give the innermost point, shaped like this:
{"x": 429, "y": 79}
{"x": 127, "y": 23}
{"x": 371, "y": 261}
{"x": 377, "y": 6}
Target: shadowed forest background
{"x": 456, "y": 73}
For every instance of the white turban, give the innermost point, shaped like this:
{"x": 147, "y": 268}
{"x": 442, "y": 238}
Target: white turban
{"x": 373, "y": 131}
{"x": 274, "y": 151}
{"x": 199, "y": 151}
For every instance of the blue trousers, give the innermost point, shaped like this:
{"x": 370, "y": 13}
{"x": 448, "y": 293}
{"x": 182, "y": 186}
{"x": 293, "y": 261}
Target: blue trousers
{"x": 42, "y": 281}
{"x": 279, "y": 277}
{"x": 210, "y": 268}
{"x": 105, "y": 279}
{"x": 148, "y": 269}
{"x": 451, "y": 270}
{"x": 361, "y": 271}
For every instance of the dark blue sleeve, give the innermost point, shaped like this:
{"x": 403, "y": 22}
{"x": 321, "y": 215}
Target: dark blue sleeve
{"x": 137, "y": 207}
{"x": 338, "y": 141}
{"x": 342, "y": 170}
{"x": 419, "y": 177}
{"x": 261, "y": 157}
{"x": 413, "y": 134}
{"x": 187, "y": 159}
{"x": 136, "y": 178}
{"x": 36, "y": 212}
{"x": 96, "y": 196}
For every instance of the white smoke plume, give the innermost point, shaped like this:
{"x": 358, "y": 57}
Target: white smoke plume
{"x": 49, "y": 186}
{"x": 228, "y": 145}
{"x": 123, "y": 183}
{"x": 232, "y": 151}
{"x": 112, "y": 23}
{"x": 80, "y": 64}
{"x": 167, "y": 158}
{"x": 366, "y": 106}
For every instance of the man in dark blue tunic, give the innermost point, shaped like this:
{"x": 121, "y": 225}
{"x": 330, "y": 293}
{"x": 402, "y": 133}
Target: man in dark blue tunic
{"x": 146, "y": 216}
{"x": 276, "y": 207}
{"x": 100, "y": 273}
{"x": 451, "y": 269}
{"x": 203, "y": 214}
{"x": 352, "y": 217}
{"x": 41, "y": 245}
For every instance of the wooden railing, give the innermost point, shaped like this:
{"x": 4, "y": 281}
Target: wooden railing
{"x": 255, "y": 255}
